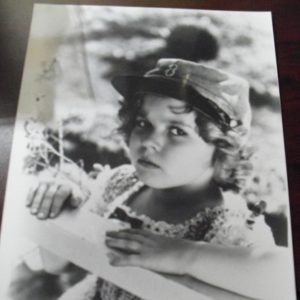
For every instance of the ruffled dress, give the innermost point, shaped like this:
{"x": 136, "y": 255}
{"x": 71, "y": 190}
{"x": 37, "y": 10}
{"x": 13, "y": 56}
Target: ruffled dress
{"x": 230, "y": 224}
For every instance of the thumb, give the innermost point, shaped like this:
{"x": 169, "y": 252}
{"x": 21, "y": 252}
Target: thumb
{"x": 76, "y": 201}
{"x": 79, "y": 196}
{"x": 124, "y": 260}
{"x": 98, "y": 167}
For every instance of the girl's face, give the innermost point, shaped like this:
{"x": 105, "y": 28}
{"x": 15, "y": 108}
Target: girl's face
{"x": 165, "y": 146}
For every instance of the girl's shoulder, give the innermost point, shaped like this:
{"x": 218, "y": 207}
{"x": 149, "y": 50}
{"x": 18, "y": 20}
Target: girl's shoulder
{"x": 235, "y": 224}
{"x": 120, "y": 180}
{"x": 110, "y": 185}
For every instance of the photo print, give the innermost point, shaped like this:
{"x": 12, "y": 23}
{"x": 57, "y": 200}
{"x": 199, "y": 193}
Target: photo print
{"x": 148, "y": 159}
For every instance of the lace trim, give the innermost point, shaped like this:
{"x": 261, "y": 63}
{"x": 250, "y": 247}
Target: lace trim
{"x": 124, "y": 184}
{"x": 178, "y": 230}
{"x": 220, "y": 224}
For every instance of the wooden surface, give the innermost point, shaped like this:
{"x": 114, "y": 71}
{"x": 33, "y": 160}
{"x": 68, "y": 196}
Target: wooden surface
{"x": 14, "y": 26}
{"x": 80, "y": 230}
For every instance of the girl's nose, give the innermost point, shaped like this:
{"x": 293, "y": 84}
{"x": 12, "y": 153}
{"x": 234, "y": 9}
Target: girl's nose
{"x": 153, "y": 142}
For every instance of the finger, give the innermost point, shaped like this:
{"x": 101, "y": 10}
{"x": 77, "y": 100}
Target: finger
{"x": 115, "y": 252}
{"x": 93, "y": 174}
{"x": 124, "y": 260}
{"x": 31, "y": 194}
{"x": 98, "y": 167}
{"x": 145, "y": 236}
{"x": 114, "y": 256}
{"x": 46, "y": 204}
{"x": 140, "y": 232}
{"x": 75, "y": 201}
{"x": 126, "y": 235}
{"x": 124, "y": 245}
{"x": 38, "y": 198}
{"x": 60, "y": 197}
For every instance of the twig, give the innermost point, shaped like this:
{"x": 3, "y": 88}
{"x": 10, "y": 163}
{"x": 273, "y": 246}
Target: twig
{"x": 60, "y": 145}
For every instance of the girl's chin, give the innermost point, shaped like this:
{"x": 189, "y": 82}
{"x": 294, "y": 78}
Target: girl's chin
{"x": 154, "y": 180}
{"x": 150, "y": 179}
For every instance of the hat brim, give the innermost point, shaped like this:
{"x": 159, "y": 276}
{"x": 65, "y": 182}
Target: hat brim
{"x": 130, "y": 86}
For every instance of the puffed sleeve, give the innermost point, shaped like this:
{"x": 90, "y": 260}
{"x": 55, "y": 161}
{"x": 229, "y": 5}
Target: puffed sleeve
{"x": 109, "y": 185}
{"x": 235, "y": 226}
{"x": 96, "y": 203}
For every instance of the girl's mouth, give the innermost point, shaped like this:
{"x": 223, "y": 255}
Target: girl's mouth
{"x": 147, "y": 163}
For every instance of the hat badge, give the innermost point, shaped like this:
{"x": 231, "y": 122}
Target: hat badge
{"x": 171, "y": 70}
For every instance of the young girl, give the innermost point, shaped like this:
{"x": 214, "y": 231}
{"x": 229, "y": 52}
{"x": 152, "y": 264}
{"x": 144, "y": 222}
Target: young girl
{"x": 186, "y": 127}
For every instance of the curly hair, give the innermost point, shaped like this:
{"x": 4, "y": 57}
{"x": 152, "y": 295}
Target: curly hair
{"x": 232, "y": 158}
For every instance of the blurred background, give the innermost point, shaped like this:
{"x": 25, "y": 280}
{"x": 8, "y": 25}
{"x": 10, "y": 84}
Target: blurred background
{"x": 89, "y": 45}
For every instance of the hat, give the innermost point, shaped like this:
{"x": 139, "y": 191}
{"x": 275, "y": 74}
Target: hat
{"x": 222, "y": 97}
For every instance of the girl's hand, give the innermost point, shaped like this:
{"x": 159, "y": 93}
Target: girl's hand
{"x": 135, "y": 247}
{"x": 98, "y": 169}
{"x": 46, "y": 199}
{"x": 50, "y": 193}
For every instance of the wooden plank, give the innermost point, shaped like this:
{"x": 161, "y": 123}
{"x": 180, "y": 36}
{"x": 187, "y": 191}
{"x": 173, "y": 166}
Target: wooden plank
{"x": 79, "y": 237}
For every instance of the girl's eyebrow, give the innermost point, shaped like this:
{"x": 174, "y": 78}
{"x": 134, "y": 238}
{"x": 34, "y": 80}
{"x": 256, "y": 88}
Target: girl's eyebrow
{"x": 142, "y": 113}
{"x": 182, "y": 123}
{"x": 180, "y": 110}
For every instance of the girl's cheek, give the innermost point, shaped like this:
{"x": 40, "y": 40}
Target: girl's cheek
{"x": 137, "y": 136}
{"x": 134, "y": 133}
{"x": 133, "y": 144}
{"x": 132, "y": 139}
{"x": 180, "y": 143}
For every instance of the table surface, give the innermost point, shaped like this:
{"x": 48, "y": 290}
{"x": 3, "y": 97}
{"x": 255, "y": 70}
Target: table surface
{"x": 15, "y": 19}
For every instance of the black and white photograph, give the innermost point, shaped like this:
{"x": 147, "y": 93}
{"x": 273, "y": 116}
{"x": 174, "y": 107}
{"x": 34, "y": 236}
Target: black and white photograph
{"x": 148, "y": 159}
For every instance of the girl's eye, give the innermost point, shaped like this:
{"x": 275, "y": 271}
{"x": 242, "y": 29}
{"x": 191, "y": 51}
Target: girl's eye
{"x": 177, "y": 131}
{"x": 141, "y": 123}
